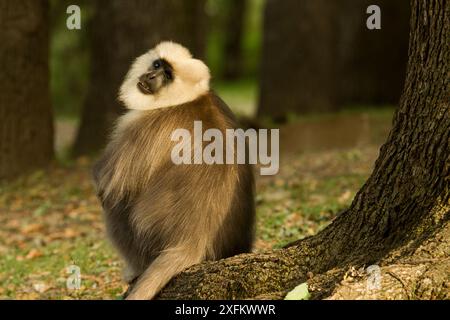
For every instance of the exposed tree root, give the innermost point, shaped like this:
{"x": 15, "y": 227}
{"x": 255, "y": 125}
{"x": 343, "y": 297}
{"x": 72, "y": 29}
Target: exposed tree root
{"x": 404, "y": 274}
{"x": 427, "y": 280}
{"x": 425, "y": 274}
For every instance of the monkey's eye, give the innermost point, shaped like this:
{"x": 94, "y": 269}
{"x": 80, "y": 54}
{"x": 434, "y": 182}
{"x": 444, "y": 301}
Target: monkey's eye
{"x": 156, "y": 64}
{"x": 169, "y": 75}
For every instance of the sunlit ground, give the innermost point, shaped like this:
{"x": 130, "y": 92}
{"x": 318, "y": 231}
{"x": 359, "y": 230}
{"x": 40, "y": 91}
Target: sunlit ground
{"x": 52, "y": 219}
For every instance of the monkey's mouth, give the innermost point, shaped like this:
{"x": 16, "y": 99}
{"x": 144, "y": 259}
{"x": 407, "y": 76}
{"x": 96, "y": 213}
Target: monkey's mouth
{"x": 144, "y": 88}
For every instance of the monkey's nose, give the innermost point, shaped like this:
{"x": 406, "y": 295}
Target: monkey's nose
{"x": 146, "y": 77}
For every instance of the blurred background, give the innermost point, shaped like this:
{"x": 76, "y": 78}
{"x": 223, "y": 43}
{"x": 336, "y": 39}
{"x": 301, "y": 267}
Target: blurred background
{"x": 270, "y": 60}
{"x": 309, "y": 67}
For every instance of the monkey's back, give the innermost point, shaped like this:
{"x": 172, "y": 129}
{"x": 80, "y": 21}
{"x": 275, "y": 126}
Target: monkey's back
{"x": 164, "y": 205}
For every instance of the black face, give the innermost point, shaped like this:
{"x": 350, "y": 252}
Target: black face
{"x": 159, "y": 74}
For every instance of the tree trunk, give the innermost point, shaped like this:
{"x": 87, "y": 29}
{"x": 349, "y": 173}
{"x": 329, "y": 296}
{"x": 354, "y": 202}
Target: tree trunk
{"x": 372, "y": 63}
{"x": 400, "y": 219}
{"x": 120, "y": 31}
{"x": 234, "y": 32}
{"x": 26, "y": 128}
{"x": 298, "y": 71}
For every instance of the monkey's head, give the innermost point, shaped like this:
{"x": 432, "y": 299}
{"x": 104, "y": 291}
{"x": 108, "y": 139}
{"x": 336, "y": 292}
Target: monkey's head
{"x": 167, "y": 75}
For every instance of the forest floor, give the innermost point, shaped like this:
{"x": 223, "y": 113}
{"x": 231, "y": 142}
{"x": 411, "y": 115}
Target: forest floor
{"x": 52, "y": 219}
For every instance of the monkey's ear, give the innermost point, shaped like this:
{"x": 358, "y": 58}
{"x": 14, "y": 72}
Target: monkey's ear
{"x": 193, "y": 71}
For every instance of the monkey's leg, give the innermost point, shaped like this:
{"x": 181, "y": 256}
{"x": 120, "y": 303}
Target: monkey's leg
{"x": 168, "y": 264}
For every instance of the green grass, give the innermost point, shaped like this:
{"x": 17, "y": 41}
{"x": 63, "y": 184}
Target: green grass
{"x": 52, "y": 218}
{"x": 294, "y": 206}
{"x": 21, "y": 276}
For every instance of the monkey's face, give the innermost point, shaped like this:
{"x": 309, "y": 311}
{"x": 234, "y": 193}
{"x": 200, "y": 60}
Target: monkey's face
{"x": 164, "y": 76}
{"x": 158, "y": 75}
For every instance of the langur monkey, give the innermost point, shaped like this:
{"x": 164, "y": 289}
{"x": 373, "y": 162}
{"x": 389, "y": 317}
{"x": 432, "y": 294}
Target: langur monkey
{"x": 164, "y": 217}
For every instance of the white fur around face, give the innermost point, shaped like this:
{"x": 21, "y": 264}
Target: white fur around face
{"x": 190, "y": 79}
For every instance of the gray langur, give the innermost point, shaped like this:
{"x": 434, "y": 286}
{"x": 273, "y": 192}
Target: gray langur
{"x": 163, "y": 217}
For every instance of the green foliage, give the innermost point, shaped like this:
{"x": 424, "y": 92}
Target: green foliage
{"x": 251, "y": 40}
{"x": 241, "y": 95}
{"x": 69, "y": 59}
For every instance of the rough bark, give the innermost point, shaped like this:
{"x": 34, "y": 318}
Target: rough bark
{"x": 421, "y": 275}
{"x": 232, "y": 68}
{"x": 26, "y": 128}
{"x": 400, "y": 217}
{"x": 298, "y": 71}
{"x": 120, "y": 31}
{"x": 372, "y": 63}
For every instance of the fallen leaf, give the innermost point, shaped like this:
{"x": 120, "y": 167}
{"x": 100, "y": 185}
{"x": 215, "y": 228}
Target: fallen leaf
{"x": 344, "y": 197}
{"x": 34, "y": 253}
{"x": 40, "y": 287}
{"x": 31, "y": 228}
{"x": 70, "y": 233}
{"x": 300, "y": 292}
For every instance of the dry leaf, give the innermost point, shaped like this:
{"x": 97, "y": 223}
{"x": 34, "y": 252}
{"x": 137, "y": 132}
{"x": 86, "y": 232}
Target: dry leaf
{"x": 31, "y": 228}
{"x": 34, "y": 253}
{"x": 40, "y": 287}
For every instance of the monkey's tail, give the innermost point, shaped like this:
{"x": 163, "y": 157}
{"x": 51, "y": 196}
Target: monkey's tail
{"x": 168, "y": 264}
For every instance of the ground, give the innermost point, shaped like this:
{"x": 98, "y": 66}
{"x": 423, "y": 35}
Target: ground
{"x": 52, "y": 219}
